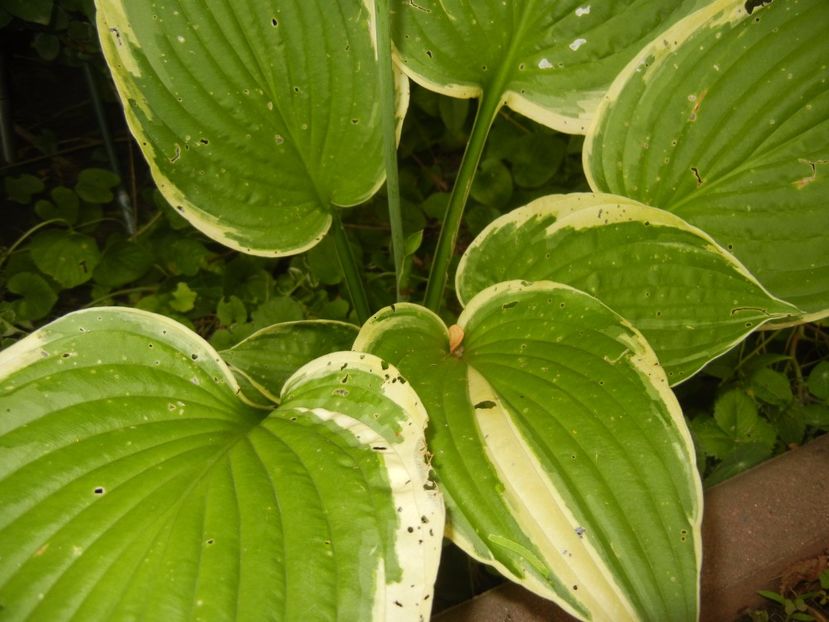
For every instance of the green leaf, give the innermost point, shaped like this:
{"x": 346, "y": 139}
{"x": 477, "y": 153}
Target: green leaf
{"x": 772, "y": 596}
{"x": 183, "y": 298}
{"x": 818, "y": 381}
{"x": 771, "y": 387}
{"x": 46, "y": 45}
{"x": 185, "y": 256}
{"x": 256, "y": 119}
{"x": 711, "y": 438}
{"x": 493, "y": 184}
{"x": 231, "y": 311}
{"x": 66, "y": 201}
{"x": 64, "y": 205}
{"x": 435, "y": 205}
{"x": 691, "y": 299}
{"x": 413, "y": 242}
{"x": 68, "y": 257}
{"x": 742, "y": 458}
{"x": 537, "y": 157}
{"x": 725, "y": 122}
{"x": 95, "y": 185}
{"x": 21, "y": 188}
{"x": 762, "y": 359}
{"x": 736, "y": 414}
{"x": 790, "y": 423}
{"x": 136, "y": 485}
{"x": 277, "y": 310}
{"x": 123, "y": 261}
{"x": 561, "y": 452}
{"x": 324, "y": 263}
{"x": 453, "y": 113}
{"x": 268, "y": 357}
{"x": 817, "y": 415}
{"x": 550, "y": 61}
{"x": 36, "y": 11}
{"x": 38, "y": 296}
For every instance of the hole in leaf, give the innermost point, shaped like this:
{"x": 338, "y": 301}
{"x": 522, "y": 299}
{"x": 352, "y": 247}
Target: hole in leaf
{"x": 750, "y": 5}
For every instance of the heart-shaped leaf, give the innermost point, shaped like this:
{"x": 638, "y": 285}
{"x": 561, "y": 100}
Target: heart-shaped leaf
{"x": 692, "y": 300}
{"x": 135, "y": 484}
{"x": 68, "y": 257}
{"x": 270, "y": 356}
{"x": 549, "y": 60}
{"x": 725, "y": 122}
{"x": 256, "y": 118}
{"x": 38, "y": 297}
{"x": 561, "y": 452}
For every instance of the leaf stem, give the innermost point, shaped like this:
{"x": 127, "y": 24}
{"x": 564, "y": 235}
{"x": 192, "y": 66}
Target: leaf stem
{"x": 382, "y": 30}
{"x": 7, "y": 252}
{"x": 490, "y": 104}
{"x": 121, "y": 196}
{"x": 349, "y": 267}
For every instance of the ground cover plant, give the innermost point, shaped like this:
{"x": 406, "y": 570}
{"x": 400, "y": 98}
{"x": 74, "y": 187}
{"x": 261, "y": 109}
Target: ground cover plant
{"x": 302, "y": 471}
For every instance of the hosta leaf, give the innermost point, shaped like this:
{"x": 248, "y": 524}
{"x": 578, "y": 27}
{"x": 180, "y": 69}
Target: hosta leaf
{"x": 725, "y": 122}
{"x": 256, "y": 117}
{"x": 270, "y": 356}
{"x": 562, "y": 454}
{"x": 692, "y": 300}
{"x": 549, "y": 60}
{"x": 134, "y": 483}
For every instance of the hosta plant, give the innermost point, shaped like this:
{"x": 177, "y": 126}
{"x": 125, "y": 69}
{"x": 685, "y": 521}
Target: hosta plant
{"x": 303, "y": 473}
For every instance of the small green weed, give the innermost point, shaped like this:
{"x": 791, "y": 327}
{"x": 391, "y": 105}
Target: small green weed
{"x": 767, "y": 395}
{"x": 803, "y": 597}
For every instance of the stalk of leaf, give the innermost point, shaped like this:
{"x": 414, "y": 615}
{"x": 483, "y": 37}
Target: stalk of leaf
{"x": 386, "y": 86}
